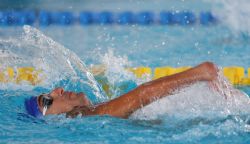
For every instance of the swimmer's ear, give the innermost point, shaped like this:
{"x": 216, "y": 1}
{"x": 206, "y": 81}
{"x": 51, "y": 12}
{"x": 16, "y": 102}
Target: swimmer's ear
{"x": 57, "y": 92}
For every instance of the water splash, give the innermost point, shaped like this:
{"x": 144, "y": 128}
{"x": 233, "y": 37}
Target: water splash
{"x": 234, "y": 14}
{"x": 116, "y": 67}
{"x": 34, "y": 49}
{"x": 199, "y": 100}
{"x": 117, "y": 73}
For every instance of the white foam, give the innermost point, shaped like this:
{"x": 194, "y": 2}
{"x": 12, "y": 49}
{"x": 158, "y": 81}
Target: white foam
{"x": 117, "y": 70}
{"x": 198, "y": 100}
{"x": 116, "y": 67}
{"x": 233, "y": 13}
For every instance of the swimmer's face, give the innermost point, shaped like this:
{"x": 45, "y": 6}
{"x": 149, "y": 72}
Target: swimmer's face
{"x": 65, "y": 101}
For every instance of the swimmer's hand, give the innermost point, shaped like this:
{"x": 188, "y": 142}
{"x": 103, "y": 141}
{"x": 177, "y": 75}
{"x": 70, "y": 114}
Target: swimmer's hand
{"x": 209, "y": 71}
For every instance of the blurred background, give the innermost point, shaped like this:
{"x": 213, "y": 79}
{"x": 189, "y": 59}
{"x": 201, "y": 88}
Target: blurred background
{"x": 121, "y": 34}
{"x": 169, "y": 32}
{"x": 100, "y": 5}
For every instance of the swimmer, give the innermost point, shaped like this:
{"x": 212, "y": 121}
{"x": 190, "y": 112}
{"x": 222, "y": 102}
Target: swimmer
{"x": 59, "y": 101}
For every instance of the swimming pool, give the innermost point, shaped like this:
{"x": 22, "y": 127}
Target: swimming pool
{"x": 195, "y": 115}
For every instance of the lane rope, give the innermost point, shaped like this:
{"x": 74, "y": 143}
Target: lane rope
{"x": 66, "y": 18}
{"x": 235, "y": 74}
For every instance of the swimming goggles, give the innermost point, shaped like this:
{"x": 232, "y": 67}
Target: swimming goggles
{"x": 46, "y": 100}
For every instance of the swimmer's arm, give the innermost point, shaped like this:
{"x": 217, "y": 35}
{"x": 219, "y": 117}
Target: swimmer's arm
{"x": 146, "y": 93}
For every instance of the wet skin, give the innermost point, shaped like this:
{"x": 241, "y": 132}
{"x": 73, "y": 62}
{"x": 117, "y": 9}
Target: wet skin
{"x": 77, "y": 103}
{"x": 65, "y": 101}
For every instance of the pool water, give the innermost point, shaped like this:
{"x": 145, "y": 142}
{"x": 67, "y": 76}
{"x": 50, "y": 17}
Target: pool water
{"x": 162, "y": 45}
{"x": 197, "y": 114}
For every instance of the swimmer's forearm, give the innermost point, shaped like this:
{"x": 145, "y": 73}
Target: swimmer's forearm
{"x": 126, "y": 104}
{"x": 168, "y": 85}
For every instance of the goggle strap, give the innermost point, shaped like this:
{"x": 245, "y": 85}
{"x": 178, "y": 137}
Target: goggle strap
{"x": 44, "y": 110}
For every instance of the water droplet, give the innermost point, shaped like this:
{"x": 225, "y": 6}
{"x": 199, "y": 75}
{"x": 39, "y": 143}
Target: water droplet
{"x": 196, "y": 44}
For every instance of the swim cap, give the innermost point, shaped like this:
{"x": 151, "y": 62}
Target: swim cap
{"x": 32, "y": 107}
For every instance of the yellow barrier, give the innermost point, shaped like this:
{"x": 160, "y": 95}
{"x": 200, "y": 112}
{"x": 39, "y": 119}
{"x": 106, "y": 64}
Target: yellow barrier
{"x": 28, "y": 74}
{"x": 166, "y": 71}
{"x": 236, "y": 75}
{"x": 248, "y": 72}
{"x": 140, "y": 71}
{"x": 7, "y": 75}
{"x": 163, "y": 71}
{"x": 181, "y": 69}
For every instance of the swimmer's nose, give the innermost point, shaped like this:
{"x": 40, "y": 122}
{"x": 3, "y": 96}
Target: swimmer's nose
{"x": 57, "y": 92}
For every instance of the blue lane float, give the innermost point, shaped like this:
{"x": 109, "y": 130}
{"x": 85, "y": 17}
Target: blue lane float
{"x": 3, "y": 19}
{"x": 125, "y": 18}
{"x": 105, "y": 17}
{"x": 207, "y": 18}
{"x": 62, "y": 18}
{"x": 30, "y": 17}
{"x": 17, "y": 18}
{"x": 145, "y": 18}
{"x": 183, "y": 18}
{"x": 58, "y": 18}
{"x": 44, "y": 18}
{"x": 165, "y": 18}
{"x": 86, "y": 18}
{"x": 65, "y": 18}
